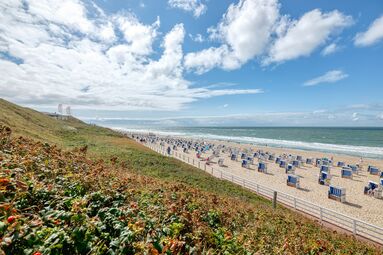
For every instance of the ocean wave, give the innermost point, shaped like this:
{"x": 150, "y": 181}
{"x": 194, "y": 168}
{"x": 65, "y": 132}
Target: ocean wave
{"x": 362, "y": 151}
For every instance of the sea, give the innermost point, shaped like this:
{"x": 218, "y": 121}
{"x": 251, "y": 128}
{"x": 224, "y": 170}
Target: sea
{"x": 356, "y": 141}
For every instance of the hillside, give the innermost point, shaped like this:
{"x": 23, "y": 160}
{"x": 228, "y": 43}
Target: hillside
{"x": 111, "y": 195}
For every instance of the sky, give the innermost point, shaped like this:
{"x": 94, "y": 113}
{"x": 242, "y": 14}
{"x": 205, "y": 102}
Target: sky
{"x": 196, "y": 62}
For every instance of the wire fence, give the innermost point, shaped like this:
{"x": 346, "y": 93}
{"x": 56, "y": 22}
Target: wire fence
{"x": 355, "y": 226}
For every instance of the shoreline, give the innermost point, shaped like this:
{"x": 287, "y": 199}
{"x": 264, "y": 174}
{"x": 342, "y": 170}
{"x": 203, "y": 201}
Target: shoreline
{"x": 337, "y": 152}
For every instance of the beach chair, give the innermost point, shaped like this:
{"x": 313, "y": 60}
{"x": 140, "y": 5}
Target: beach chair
{"x": 318, "y": 162}
{"x": 233, "y": 157}
{"x": 262, "y": 167}
{"x": 220, "y": 162}
{"x": 324, "y": 178}
{"x": 346, "y": 172}
{"x": 282, "y": 163}
{"x": 251, "y": 160}
{"x": 337, "y": 193}
{"x": 290, "y": 169}
{"x": 296, "y": 163}
{"x": 299, "y": 158}
{"x": 374, "y": 189}
{"x": 245, "y": 164}
{"x": 325, "y": 162}
{"x": 309, "y": 161}
{"x": 354, "y": 168}
{"x": 243, "y": 155}
{"x": 374, "y": 171}
{"x": 271, "y": 157}
{"x": 324, "y": 168}
{"x": 277, "y": 160}
{"x": 340, "y": 164}
{"x": 293, "y": 181}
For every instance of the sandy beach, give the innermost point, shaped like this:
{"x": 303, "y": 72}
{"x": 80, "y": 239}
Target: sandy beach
{"x": 357, "y": 205}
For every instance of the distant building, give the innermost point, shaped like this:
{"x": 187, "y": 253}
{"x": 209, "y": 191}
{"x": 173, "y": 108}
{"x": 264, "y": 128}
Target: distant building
{"x": 57, "y": 116}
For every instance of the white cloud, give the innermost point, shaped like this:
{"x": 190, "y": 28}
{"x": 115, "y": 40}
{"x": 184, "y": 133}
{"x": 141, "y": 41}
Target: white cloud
{"x": 99, "y": 62}
{"x": 140, "y": 37}
{"x": 301, "y": 37}
{"x": 330, "y": 49}
{"x": 225, "y": 105}
{"x": 355, "y": 116}
{"x": 329, "y": 77}
{"x": 244, "y": 31}
{"x": 197, "y": 38}
{"x": 254, "y": 29}
{"x": 210, "y": 58}
{"x": 373, "y": 34}
{"x": 196, "y": 6}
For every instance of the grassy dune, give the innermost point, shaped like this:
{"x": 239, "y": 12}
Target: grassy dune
{"x": 117, "y": 197}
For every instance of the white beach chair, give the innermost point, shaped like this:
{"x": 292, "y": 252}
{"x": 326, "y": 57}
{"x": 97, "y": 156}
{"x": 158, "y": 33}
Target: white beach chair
{"x": 220, "y": 162}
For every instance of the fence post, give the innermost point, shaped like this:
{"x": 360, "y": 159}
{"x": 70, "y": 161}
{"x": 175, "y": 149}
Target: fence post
{"x": 212, "y": 171}
{"x": 275, "y": 200}
{"x": 199, "y": 164}
{"x": 295, "y": 203}
{"x": 205, "y": 167}
{"x": 221, "y": 174}
{"x": 188, "y": 160}
{"x": 193, "y": 161}
{"x": 321, "y": 213}
{"x": 354, "y": 227}
{"x": 257, "y": 188}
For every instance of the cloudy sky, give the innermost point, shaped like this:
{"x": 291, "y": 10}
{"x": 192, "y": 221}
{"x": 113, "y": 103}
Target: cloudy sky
{"x": 197, "y": 62}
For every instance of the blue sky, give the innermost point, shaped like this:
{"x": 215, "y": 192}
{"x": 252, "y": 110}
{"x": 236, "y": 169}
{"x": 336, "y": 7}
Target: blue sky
{"x": 197, "y": 62}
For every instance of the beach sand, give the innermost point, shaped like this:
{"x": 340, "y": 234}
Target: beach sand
{"x": 358, "y": 205}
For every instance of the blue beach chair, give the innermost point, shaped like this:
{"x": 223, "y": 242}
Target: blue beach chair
{"x": 346, "y": 173}
{"x": 374, "y": 189}
{"x": 296, "y": 163}
{"x": 245, "y": 163}
{"x": 374, "y": 171}
{"x": 233, "y": 157}
{"x": 340, "y": 164}
{"x": 354, "y": 168}
{"x": 324, "y": 178}
{"x": 293, "y": 181}
{"x": 337, "y": 193}
{"x": 282, "y": 163}
{"x": 290, "y": 169}
{"x": 324, "y": 168}
{"x": 262, "y": 167}
{"x": 309, "y": 161}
